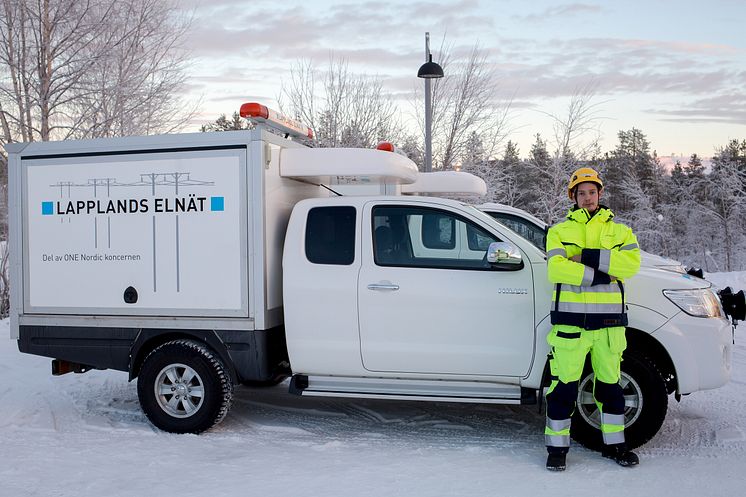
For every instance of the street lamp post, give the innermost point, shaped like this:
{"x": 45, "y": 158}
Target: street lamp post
{"x": 429, "y": 70}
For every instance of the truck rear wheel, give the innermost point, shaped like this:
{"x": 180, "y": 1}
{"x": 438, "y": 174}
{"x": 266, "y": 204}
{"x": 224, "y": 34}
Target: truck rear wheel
{"x": 183, "y": 387}
{"x": 645, "y": 399}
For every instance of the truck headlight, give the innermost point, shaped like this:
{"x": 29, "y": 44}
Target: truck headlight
{"x": 701, "y": 303}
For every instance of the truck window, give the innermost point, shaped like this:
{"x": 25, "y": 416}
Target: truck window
{"x": 330, "y": 235}
{"x": 438, "y": 231}
{"x": 477, "y": 238}
{"x": 428, "y": 238}
{"x": 528, "y": 230}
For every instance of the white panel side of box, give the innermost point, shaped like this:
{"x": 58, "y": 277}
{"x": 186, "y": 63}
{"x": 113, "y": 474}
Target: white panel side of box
{"x": 166, "y": 224}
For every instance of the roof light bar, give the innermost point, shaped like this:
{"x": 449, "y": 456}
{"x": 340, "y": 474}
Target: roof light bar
{"x": 264, "y": 115}
{"x": 386, "y": 147}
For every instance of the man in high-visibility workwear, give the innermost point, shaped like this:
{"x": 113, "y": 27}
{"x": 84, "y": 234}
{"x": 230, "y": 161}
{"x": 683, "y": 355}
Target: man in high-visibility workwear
{"x": 589, "y": 257}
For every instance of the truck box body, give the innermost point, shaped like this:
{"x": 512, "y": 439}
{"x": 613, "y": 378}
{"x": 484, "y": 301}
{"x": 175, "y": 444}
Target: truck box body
{"x": 114, "y": 236}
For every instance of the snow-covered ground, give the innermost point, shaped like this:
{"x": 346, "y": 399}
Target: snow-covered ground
{"x": 84, "y": 435}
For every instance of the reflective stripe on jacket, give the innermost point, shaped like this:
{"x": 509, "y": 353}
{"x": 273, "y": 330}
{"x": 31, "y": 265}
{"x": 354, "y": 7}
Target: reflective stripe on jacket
{"x": 590, "y": 294}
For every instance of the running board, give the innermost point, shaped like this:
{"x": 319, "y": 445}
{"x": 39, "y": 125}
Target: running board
{"x": 397, "y": 389}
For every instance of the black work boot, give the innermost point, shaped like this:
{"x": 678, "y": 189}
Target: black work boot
{"x": 556, "y": 459}
{"x": 620, "y": 454}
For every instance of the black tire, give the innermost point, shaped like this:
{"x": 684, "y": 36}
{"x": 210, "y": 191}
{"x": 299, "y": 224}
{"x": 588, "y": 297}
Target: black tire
{"x": 646, "y": 400}
{"x": 183, "y": 387}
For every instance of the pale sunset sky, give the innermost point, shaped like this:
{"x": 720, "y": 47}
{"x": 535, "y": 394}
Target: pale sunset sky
{"x": 674, "y": 69}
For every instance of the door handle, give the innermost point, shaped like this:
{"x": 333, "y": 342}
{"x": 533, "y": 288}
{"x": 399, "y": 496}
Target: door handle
{"x": 383, "y": 286}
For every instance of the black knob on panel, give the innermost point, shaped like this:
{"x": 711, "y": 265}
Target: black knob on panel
{"x": 130, "y": 295}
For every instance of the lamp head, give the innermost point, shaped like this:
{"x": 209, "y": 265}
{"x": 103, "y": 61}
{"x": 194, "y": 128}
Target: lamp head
{"x": 430, "y": 69}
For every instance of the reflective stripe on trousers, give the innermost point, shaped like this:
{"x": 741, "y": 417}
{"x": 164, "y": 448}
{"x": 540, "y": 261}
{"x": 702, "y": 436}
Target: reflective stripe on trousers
{"x": 557, "y": 433}
{"x": 612, "y": 428}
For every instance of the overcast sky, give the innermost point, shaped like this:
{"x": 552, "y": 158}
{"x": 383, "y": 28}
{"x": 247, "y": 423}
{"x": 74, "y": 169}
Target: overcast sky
{"x": 674, "y": 69}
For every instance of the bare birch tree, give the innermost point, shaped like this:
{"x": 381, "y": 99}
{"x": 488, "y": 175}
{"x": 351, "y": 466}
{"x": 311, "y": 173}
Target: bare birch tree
{"x": 577, "y": 131}
{"x": 576, "y": 139}
{"x": 136, "y": 87}
{"x": 344, "y": 109}
{"x": 88, "y": 68}
{"x": 464, "y": 102}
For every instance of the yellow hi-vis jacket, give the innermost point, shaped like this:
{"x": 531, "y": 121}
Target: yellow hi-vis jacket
{"x": 590, "y": 294}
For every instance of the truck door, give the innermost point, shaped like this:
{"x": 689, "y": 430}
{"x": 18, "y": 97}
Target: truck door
{"x": 426, "y": 305}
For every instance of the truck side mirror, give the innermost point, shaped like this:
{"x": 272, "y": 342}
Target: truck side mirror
{"x": 504, "y": 255}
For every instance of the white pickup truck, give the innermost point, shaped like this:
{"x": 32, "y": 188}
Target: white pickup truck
{"x": 163, "y": 257}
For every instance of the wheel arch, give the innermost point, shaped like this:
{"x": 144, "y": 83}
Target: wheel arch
{"x": 150, "y": 339}
{"x": 646, "y": 344}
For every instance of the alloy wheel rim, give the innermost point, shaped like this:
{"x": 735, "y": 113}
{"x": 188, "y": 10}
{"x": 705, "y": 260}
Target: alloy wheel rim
{"x": 179, "y": 390}
{"x": 633, "y": 401}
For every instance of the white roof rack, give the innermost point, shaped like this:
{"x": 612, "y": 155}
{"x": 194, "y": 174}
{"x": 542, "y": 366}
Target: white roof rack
{"x": 319, "y": 165}
{"x": 451, "y": 182}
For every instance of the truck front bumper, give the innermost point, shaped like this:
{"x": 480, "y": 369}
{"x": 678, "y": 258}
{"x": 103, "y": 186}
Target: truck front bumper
{"x": 701, "y": 350}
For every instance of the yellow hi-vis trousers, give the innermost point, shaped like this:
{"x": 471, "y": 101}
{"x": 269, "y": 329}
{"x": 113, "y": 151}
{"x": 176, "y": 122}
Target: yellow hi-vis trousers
{"x": 570, "y": 346}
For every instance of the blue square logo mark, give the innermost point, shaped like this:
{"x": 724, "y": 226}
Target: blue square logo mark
{"x": 47, "y": 208}
{"x": 217, "y": 203}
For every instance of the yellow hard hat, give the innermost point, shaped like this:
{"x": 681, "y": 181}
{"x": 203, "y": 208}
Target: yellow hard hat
{"x": 583, "y": 175}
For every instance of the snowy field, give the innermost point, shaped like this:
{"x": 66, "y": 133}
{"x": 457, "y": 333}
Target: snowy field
{"x": 84, "y": 435}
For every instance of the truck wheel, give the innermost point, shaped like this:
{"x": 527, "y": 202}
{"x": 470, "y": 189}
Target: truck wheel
{"x": 183, "y": 387}
{"x": 645, "y": 400}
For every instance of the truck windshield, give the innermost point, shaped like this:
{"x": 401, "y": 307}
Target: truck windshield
{"x": 528, "y": 230}
{"x": 532, "y": 233}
